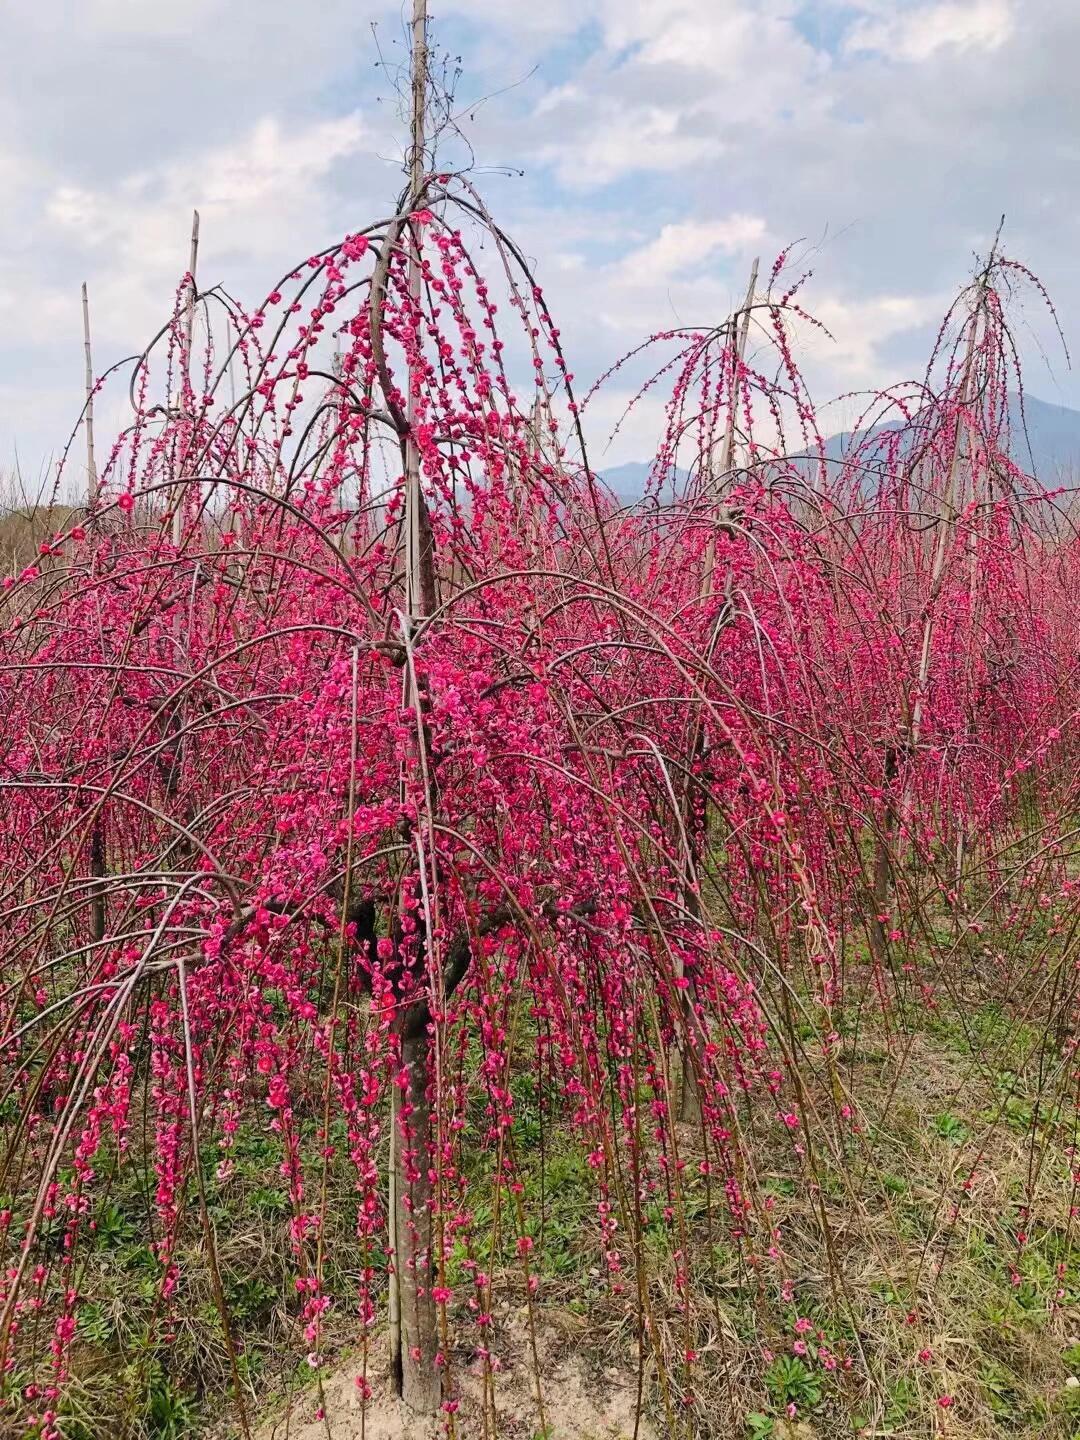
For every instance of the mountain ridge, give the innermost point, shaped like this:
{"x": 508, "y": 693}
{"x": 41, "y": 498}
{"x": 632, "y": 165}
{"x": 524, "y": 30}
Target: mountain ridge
{"x": 1045, "y": 443}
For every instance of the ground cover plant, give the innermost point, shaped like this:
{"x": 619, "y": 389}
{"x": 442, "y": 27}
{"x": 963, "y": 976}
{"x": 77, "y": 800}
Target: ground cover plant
{"x": 451, "y": 920}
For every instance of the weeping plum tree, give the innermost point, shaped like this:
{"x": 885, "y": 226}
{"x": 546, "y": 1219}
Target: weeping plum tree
{"x": 954, "y": 531}
{"x": 337, "y": 777}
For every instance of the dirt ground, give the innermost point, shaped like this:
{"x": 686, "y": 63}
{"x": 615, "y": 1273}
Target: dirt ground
{"x": 578, "y": 1403}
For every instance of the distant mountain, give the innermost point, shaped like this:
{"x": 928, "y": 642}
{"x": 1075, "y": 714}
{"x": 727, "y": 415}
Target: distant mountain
{"x": 1045, "y": 443}
{"x": 1045, "y": 440}
{"x": 1054, "y": 435}
{"x": 628, "y": 481}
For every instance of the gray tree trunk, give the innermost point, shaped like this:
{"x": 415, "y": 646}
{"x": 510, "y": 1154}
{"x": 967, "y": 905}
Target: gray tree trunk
{"x": 417, "y": 1378}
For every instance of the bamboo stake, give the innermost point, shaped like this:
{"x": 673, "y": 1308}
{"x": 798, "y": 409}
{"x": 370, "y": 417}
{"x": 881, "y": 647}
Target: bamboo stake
{"x": 185, "y": 380}
{"x": 727, "y": 455}
{"x": 413, "y": 1335}
{"x": 88, "y": 421}
{"x": 97, "y": 829}
{"x": 739, "y": 330}
{"x": 413, "y": 497}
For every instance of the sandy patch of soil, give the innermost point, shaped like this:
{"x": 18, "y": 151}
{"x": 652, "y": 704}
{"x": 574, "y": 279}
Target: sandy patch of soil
{"x": 581, "y": 1402}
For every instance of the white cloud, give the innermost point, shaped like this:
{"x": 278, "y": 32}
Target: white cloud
{"x": 622, "y": 425}
{"x": 682, "y": 248}
{"x": 149, "y": 17}
{"x": 860, "y": 327}
{"x": 250, "y": 194}
{"x": 721, "y": 37}
{"x": 673, "y": 82}
{"x": 525, "y": 20}
{"x": 614, "y": 141}
{"x": 919, "y": 33}
{"x": 242, "y": 182}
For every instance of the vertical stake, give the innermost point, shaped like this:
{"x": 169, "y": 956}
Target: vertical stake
{"x": 185, "y": 378}
{"x": 88, "y": 413}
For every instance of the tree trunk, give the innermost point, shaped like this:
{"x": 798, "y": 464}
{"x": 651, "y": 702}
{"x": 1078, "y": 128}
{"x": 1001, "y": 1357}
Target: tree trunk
{"x": 97, "y": 894}
{"x": 690, "y": 1100}
{"x": 882, "y": 870}
{"x": 417, "y": 1378}
{"x": 881, "y": 898}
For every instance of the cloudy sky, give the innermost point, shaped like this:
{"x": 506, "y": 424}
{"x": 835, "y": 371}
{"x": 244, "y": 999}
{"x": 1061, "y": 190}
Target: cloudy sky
{"x": 663, "y": 144}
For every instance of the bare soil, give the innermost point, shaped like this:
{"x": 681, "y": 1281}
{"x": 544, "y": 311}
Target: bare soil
{"x": 580, "y": 1402}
